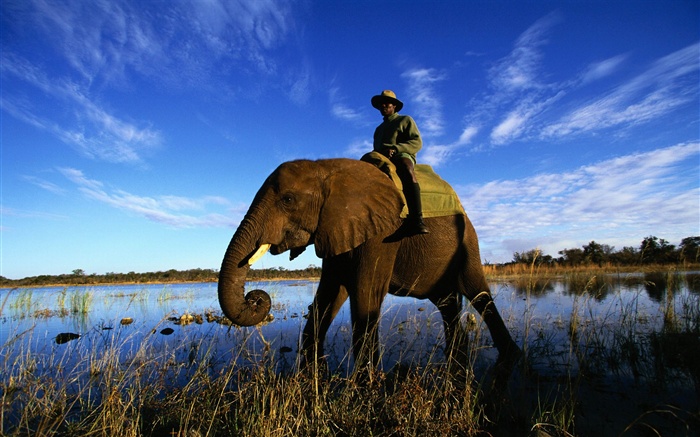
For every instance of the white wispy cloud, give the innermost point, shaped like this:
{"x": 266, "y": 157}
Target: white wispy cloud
{"x": 343, "y": 112}
{"x": 507, "y": 109}
{"x": 358, "y": 148}
{"x": 437, "y": 154}
{"x": 618, "y": 202}
{"x": 518, "y": 94}
{"x": 510, "y": 127}
{"x": 44, "y": 184}
{"x": 599, "y": 70}
{"x": 28, "y": 214}
{"x": 102, "y": 40}
{"x": 340, "y": 109}
{"x": 169, "y": 210}
{"x": 299, "y": 91}
{"x": 426, "y": 106}
{"x": 468, "y": 133}
{"x": 663, "y": 87}
{"x": 70, "y": 115}
{"x": 519, "y": 70}
{"x": 521, "y": 105}
{"x": 517, "y": 122}
{"x": 103, "y": 45}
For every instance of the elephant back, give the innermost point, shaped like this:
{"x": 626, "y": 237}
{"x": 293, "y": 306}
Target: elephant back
{"x": 437, "y": 196}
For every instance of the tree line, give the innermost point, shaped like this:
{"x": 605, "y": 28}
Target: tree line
{"x": 79, "y": 277}
{"x": 652, "y": 250}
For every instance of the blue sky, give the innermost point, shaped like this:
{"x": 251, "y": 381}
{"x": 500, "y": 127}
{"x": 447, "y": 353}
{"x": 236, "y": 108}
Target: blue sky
{"x": 135, "y": 134}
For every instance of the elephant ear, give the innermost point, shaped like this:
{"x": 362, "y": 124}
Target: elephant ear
{"x": 360, "y": 203}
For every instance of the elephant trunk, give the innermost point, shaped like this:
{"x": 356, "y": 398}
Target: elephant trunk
{"x": 241, "y": 309}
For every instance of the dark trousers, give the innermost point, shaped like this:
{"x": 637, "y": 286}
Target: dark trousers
{"x": 411, "y": 189}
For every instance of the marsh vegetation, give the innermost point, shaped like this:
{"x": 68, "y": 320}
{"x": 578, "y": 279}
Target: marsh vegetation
{"x": 604, "y": 354}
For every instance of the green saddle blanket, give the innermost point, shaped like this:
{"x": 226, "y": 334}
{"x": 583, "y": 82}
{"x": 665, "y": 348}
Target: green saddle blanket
{"x": 437, "y": 196}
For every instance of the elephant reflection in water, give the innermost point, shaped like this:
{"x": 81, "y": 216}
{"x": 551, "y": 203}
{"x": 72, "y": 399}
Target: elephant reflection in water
{"x": 350, "y": 211}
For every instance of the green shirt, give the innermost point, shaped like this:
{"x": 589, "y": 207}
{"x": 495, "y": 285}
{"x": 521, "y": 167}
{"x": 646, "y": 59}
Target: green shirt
{"x": 399, "y": 132}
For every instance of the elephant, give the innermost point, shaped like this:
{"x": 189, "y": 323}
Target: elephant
{"x": 350, "y": 211}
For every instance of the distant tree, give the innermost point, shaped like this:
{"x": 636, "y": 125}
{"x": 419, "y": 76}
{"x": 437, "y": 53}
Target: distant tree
{"x": 595, "y": 253}
{"x": 78, "y": 272}
{"x": 571, "y": 257}
{"x": 657, "y": 251}
{"x": 628, "y": 256}
{"x": 533, "y": 256}
{"x": 689, "y": 250}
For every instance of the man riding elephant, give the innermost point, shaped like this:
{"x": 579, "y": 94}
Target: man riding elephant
{"x": 398, "y": 139}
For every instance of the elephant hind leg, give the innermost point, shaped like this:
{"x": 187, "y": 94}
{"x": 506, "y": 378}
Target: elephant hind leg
{"x": 476, "y": 289}
{"x": 483, "y": 303}
{"x": 456, "y": 339}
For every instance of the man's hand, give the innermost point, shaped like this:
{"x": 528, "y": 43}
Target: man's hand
{"x": 389, "y": 152}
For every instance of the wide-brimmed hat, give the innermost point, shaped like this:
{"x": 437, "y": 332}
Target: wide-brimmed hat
{"x": 387, "y": 95}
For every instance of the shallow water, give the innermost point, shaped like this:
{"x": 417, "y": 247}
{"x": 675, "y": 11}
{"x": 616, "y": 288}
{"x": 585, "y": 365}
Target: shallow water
{"x": 606, "y": 341}
{"x": 411, "y": 329}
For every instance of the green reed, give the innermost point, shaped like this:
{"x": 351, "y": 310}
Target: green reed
{"x": 81, "y": 300}
{"x": 61, "y": 299}
{"x": 23, "y": 301}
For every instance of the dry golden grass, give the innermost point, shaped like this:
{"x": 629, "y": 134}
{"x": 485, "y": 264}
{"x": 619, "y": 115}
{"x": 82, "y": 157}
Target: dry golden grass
{"x": 544, "y": 271}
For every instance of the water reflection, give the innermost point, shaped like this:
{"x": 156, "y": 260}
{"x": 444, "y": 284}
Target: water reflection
{"x": 615, "y": 330}
{"x": 600, "y": 287}
{"x": 412, "y": 329}
{"x": 692, "y": 282}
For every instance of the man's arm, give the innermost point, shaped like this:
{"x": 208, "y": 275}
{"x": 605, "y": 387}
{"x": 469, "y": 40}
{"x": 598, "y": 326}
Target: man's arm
{"x": 408, "y": 139}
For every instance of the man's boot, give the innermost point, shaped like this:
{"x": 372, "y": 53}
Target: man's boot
{"x": 414, "y": 221}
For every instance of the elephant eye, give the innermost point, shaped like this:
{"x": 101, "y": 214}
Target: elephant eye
{"x": 287, "y": 200}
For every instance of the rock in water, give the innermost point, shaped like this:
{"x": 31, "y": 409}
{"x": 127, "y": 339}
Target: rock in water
{"x": 65, "y": 337}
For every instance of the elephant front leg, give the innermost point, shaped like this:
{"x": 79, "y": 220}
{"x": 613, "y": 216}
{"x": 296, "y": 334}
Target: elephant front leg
{"x": 365, "y": 340}
{"x": 328, "y": 301}
{"x": 367, "y": 289}
{"x": 365, "y": 311}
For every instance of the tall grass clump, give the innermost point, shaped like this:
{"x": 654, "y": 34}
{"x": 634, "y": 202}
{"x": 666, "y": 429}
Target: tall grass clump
{"x": 165, "y": 295}
{"x": 22, "y": 303}
{"x": 81, "y": 301}
{"x": 61, "y": 300}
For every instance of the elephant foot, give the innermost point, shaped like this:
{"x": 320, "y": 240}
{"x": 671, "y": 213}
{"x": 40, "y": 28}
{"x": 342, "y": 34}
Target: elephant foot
{"x": 509, "y": 356}
{"x": 501, "y": 380}
{"x": 506, "y": 364}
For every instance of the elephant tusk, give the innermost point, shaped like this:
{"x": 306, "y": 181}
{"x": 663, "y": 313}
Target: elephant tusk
{"x": 258, "y": 253}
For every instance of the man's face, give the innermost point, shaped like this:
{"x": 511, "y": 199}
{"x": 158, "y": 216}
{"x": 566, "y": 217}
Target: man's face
{"x": 387, "y": 108}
